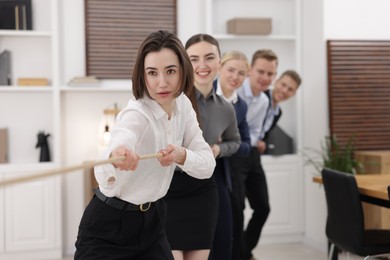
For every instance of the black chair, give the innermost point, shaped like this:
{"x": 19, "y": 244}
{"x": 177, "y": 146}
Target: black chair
{"x": 388, "y": 191}
{"x": 345, "y": 220}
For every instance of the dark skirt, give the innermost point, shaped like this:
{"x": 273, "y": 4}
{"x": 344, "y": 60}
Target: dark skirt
{"x": 192, "y": 211}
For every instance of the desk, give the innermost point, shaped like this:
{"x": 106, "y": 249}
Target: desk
{"x": 372, "y": 187}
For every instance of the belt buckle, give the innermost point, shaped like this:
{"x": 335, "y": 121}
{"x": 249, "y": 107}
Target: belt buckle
{"x": 143, "y": 206}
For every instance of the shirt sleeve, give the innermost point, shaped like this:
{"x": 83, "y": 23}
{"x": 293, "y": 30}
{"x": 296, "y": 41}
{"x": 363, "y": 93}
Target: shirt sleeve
{"x": 262, "y": 114}
{"x": 243, "y": 128}
{"x": 125, "y": 133}
{"x": 231, "y": 139}
{"x": 200, "y": 162}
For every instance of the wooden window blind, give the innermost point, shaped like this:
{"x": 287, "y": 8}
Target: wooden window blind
{"x": 359, "y": 92}
{"x": 116, "y": 28}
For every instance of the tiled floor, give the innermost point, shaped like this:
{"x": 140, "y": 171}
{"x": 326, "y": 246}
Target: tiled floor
{"x": 287, "y": 252}
{"x": 295, "y": 252}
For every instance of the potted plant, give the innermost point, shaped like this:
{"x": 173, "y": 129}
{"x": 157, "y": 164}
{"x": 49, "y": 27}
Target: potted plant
{"x": 334, "y": 156}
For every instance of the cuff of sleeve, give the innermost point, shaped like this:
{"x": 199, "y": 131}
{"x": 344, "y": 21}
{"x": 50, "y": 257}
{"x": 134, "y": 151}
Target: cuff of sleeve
{"x": 188, "y": 159}
{"x": 106, "y": 171}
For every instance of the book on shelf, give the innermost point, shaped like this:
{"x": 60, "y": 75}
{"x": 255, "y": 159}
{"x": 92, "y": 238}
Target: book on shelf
{"x": 3, "y": 145}
{"x": 33, "y": 82}
{"x": 5, "y": 68}
{"x": 86, "y": 81}
{"x": 15, "y": 15}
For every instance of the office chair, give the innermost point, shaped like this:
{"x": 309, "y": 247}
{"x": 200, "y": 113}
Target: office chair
{"x": 388, "y": 192}
{"x": 345, "y": 220}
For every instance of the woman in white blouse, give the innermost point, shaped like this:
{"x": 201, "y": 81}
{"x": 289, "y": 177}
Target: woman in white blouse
{"x": 125, "y": 218}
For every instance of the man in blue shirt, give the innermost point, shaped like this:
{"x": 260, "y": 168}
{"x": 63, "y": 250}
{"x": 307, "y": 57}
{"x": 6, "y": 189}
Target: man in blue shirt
{"x": 252, "y": 178}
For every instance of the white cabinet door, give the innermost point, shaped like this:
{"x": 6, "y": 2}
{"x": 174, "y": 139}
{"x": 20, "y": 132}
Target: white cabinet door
{"x": 285, "y": 191}
{"x": 284, "y": 179}
{"x": 2, "y": 237}
{"x": 32, "y": 219}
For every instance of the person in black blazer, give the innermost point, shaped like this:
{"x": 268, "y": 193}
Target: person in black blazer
{"x": 233, "y": 71}
{"x": 284, "y": 88}
{"x": 261, "y": 115}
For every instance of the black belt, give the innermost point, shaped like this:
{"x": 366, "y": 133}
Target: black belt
{"x": 121, "y": 204}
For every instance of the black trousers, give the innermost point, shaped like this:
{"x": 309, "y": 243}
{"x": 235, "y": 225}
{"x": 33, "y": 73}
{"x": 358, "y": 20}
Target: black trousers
{"x": 223, "y": 237}
{"x": 107, "y": 233}
{"x": 254, "y": 186}
{"x": 238, "y": 206}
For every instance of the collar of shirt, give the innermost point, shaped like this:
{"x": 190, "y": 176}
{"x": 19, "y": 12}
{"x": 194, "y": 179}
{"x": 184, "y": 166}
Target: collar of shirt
{"x": 275, "y": 111}
{"x": 246, "y": 93}
{"x": 157, "y": 110}
{"x": 200, "y": 97}
{"x": 232, "y": 99}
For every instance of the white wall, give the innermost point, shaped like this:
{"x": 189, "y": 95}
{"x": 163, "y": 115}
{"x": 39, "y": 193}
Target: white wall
{"x": 330, "y": 19}
{"x": 357, "y": 19}
{"x": 315, "y": 116}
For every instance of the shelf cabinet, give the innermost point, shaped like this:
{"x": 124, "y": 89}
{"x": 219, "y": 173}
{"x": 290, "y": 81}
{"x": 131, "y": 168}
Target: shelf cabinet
{"x": 282, "y": 12}
{"x": 34, "y": 54}
{"x": 32, "y": 50}
{"x": 24, "y": 114}
{"x": 30, "y": 55}
{"x": 30, "y": 213}
{"x": 284, "y": 40}
{"x": 284, "y": 173}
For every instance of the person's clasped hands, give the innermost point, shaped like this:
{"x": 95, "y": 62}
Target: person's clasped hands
{"x": 169, "y": 155}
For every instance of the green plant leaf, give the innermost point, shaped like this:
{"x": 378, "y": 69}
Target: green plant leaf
{"x": 334, "y": 156}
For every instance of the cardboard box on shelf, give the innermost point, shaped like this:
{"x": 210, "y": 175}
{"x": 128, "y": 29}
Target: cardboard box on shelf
{"x": 3, "y": 145}
{"x": 250, "y": 26}
{"x": 33, "y": 82}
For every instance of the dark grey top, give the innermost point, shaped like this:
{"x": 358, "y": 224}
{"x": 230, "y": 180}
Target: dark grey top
{"x": 219, "y": 123}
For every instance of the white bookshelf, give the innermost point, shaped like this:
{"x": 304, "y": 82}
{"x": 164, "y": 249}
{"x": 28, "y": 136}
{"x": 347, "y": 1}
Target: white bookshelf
{"x": 30, "y": 212}
{"x": 284, "y": 40}
{"x": 284, "y": 173}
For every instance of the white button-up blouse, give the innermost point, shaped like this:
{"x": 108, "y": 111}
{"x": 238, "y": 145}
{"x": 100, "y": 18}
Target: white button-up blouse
{"x": 144, "y": 127}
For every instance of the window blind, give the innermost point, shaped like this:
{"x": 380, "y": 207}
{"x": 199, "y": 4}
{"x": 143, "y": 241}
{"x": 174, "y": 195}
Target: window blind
{"x": 359, "y": 92}
{"x": 116, "y": 28}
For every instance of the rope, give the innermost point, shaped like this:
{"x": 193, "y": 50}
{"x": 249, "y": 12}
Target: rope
{"x": 68, "y": 169}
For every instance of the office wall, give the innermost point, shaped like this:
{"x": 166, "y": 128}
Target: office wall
{"x": 357, "y": 19}
{"x": 315, "y": 124}
{"x": 329, "y": 19}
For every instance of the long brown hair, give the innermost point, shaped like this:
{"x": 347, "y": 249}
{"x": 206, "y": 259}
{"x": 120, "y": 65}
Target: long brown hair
{"x": 201, "y": 37}
{"x": 154, "y": 43}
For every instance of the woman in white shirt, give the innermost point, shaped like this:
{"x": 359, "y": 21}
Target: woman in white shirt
{"x": 125, "y": 218}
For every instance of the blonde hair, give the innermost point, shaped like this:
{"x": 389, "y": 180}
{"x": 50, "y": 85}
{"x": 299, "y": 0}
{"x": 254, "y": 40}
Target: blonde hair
{"x": 235, "y": 55}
